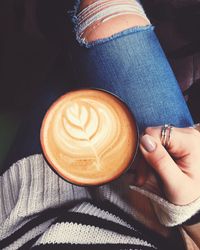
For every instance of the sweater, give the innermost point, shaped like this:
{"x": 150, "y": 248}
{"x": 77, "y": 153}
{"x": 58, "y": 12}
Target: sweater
{"x": 40, "y": 210}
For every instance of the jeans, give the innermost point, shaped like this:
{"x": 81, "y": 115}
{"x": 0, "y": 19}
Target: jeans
{"x": 130, "y": 64}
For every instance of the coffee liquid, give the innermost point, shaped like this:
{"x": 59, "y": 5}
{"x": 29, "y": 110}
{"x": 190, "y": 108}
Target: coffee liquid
{"x": 89, "y": 137}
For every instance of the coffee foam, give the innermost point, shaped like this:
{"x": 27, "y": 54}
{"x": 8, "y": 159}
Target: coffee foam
{"x": 89, "y": 137}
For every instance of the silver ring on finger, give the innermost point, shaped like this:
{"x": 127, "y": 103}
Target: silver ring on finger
{"x": 166, "y": 131}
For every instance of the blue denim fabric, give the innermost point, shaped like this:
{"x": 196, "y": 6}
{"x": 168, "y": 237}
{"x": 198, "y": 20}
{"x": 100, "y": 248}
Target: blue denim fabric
{"x": 130, "y": 64}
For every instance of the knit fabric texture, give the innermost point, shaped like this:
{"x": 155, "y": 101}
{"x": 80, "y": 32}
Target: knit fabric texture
{"x": 40, "y": 210}
{"x": 168, "y": 213}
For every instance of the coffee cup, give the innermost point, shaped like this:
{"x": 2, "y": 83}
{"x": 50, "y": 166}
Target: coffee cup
{"x": 89, "y": 137}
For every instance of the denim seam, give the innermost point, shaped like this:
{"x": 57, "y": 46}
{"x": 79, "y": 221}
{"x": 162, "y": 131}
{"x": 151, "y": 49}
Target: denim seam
{"x": 83, "y": 42}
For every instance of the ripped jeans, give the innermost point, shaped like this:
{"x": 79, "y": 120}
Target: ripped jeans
{"x": 129, "y": 63}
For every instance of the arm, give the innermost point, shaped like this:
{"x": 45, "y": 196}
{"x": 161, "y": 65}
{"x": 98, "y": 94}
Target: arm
{"x": 177, "y": 171}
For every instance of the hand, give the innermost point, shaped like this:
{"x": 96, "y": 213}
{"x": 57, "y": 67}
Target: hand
{"x": 178, "y": 167}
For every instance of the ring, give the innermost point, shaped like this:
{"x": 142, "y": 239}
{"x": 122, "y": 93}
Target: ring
{"x": 166, "y": 131}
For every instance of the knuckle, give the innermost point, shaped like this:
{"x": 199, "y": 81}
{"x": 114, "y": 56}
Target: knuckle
{"x": 159, "y": 160}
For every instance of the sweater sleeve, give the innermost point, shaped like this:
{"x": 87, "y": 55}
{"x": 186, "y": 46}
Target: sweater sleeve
{"x": 169, "y": 214}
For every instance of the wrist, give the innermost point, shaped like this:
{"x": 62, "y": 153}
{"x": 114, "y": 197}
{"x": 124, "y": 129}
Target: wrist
{"x": 169, "y": 214}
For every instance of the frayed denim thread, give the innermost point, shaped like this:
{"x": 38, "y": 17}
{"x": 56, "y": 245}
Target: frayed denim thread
{"x": 73, "y": 15}
{"x": 125, "y": 32}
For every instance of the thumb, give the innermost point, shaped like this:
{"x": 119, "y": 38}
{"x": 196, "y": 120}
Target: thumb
{"x": 160, "y": 160}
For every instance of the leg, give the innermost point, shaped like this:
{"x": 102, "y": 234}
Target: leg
{"x": 100, "y": 30}
{"x": 129, "y": 62}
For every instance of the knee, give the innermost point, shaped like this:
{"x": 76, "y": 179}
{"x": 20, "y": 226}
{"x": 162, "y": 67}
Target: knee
{"x": 104, "y": 18}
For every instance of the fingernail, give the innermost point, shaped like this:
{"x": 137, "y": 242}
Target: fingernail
{"x": 148, "y": 143}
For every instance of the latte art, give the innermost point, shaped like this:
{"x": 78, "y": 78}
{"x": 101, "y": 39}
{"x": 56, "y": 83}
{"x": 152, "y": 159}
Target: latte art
{"x": 88, "y": 126}
{"x": 89, "y": 137}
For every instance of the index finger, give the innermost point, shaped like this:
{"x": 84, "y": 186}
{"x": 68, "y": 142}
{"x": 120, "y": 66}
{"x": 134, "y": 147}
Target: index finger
{"x": 181, "y": 142}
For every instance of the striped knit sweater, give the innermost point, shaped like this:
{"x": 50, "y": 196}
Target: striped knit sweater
{"x": 40, "y": 210}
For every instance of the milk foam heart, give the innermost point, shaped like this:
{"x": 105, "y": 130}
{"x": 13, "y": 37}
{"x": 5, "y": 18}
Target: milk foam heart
{"x": 89, "y": 137}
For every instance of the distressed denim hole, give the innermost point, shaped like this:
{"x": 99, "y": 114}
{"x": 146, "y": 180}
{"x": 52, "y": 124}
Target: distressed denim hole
{"x": 105, "y": 19}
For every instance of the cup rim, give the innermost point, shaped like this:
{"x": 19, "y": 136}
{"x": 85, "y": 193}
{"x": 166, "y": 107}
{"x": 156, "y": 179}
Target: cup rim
{"x": 136, "y": 146}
